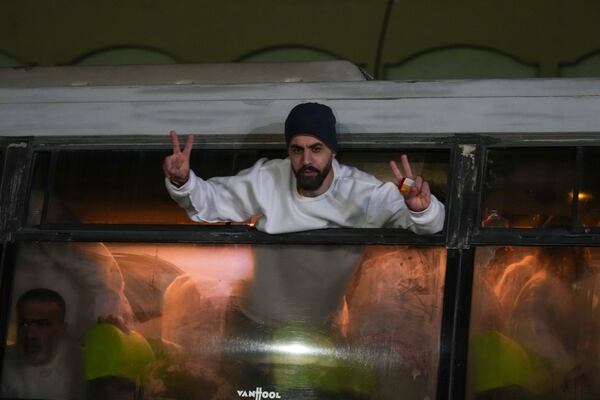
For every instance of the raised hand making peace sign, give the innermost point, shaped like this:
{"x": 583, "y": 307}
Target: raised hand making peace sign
{"x": 417, "y": 196}
{"x": 177, "y": 165}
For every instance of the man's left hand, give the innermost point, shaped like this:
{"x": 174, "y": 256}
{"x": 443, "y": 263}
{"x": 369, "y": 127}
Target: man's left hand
{"x": 419, "y": 195}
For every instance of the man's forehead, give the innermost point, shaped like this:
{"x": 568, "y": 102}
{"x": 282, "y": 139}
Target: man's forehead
{"x": 305, "y": 140}
{"x": 38, "y": 309}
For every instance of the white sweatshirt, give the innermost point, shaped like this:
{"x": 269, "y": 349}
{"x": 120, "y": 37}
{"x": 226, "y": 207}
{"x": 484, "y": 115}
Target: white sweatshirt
{"x": 355, "y": 199}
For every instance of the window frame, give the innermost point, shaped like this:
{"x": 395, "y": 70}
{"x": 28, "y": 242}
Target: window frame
{"x": 206, "y": 234}
{"x": 574, "y": 235}
{"x": 482, "y": 237}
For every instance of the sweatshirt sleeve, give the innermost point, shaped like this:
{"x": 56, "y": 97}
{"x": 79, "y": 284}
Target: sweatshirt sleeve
{"x": 388, "y": 209}
{"x": 231, "y": 198}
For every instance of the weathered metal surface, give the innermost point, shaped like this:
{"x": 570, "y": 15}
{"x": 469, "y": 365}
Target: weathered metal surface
{"x": 370, "y": 107}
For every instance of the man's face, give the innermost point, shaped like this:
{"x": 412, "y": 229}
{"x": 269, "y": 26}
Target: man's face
{"x": 40, "y": 328}
{"x": 311, "y": 162}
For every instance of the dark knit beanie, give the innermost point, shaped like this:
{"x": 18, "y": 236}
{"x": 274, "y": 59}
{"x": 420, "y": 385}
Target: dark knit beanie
{"x": 312, "y": 119}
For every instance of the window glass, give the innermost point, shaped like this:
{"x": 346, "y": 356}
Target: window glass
{"x": 589, "y": 194}
{"x": 176, "y": 320}
{"x": 535, "y": 323}
{"x": 528, "y": 188}
{"x": 127, "y": 187}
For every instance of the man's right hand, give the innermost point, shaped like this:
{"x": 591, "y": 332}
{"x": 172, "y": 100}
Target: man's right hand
{"x": 419, "y": 196}
{"x": 177, "y": 165}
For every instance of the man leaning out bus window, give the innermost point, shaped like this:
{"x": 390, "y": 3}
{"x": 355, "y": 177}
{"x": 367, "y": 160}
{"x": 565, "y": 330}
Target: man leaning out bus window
{"x": 308, "y": 190}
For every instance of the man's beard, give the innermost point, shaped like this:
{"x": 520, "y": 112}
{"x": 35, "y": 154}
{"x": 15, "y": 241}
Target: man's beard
{"x": 314, "y": 182}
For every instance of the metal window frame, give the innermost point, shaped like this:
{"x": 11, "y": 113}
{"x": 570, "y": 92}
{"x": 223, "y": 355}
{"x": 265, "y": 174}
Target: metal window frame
{"x": 212, "y": 234}
{"x": 574, "y": 235}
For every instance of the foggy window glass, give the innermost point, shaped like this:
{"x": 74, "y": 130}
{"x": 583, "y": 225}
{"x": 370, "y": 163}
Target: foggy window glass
{"x": 589, "y": 194}
{"x": 535, "y": 323}
{"x": 528, "y": 188}
{"x": 127, "y": 187}
{"x": 223, "y": 321}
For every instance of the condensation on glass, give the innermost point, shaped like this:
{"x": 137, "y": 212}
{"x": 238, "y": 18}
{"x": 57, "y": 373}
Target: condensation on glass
{"x": 229, "y": 321}
{"x": 535, "y": 323}
{"x": 528, "y": 188}
{"x": 127, "y": 187}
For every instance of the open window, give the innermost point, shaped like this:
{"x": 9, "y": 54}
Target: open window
{"x": 127, "y": 186}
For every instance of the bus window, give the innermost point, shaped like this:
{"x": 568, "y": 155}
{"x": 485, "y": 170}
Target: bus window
{"x": 535, "y": 323}
{"x": 127, "y": 187}
{"x": 175, "y": 320}
{"x": 122, "y": 187}
{"x": 528, "y": 188}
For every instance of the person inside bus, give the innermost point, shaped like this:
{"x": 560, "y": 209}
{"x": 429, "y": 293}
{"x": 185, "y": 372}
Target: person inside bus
{"x": 545, "y": 318}
{"x": 298, "y": 285}
{"x": 42, "y": 364}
